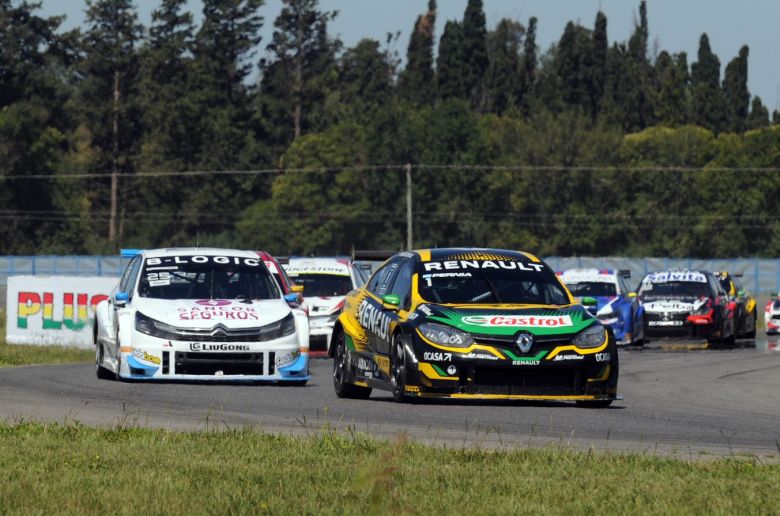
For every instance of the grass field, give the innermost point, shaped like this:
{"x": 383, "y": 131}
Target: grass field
{"x": 16, "y": 355}
{"x": 76, "y": 469}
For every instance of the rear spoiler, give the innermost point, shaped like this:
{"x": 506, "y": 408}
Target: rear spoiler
{"x": 373, "y": 256}
{"x": 625, "y": 273}
{"x": 130, "y": 253}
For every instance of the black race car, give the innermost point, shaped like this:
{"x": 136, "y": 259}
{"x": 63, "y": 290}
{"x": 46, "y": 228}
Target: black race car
{"x": 472, "y": 323}
{"x": 686, "y": 304}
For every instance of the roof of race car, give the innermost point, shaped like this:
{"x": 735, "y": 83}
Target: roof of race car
{"x": 198, "y": 251}
{"x": 588, "y": 275}
{"x": 472, "y": 253}
{"x": 319, "y": 265}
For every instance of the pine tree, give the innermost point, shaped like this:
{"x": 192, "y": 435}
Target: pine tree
{"x": 502, "y": 79}
{"x": 707, "y": 103}
{"x": 600, "y": 49}
{"x": 529, "y": 63}
{"x": 449, "y": 64}
{"x": 417, "y": 80}
{"x": 109, "y": 95}
{"x": 365, "y": 79}
{"x": 736, "y": 92}
{"x": 574, "y": 67}
{"x": 672, "y": 73}
{"x": 298, "y": 74}
{"x": 759, "y": 114}
{"x": 475, "y": 53}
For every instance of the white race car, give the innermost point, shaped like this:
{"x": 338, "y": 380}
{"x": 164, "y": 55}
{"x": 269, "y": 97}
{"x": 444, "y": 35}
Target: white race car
{"x": 772, "y": 315}
{"x": 325, "y": 281}
{"x": 200, "y": 315}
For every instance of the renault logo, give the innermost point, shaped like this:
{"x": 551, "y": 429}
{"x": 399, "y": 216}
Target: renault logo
{"x": 525, "y": 342}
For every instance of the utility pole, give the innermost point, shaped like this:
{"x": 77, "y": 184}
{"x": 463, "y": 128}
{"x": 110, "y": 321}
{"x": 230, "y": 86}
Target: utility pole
{"x": 409, "y": 227}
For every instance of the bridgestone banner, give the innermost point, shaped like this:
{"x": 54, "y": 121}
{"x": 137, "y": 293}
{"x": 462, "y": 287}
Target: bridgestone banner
{"x": 53, "y": 310}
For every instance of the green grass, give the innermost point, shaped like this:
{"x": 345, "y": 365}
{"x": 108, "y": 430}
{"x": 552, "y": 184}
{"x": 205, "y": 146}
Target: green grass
{"x": 16, "y": 355}
{"x": 77, "y": 469}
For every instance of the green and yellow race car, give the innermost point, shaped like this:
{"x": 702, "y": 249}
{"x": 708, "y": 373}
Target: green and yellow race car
{"x": 472, "y": 324}
{"x": 745, "y": 311}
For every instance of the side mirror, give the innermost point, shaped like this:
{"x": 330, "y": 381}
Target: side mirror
{"x": 291, "y": 299}
{"x": 740, "y": 293}
{"x": 589, "y": 301}
{"x": 632, "y": 294}
{"x": 296, "y": 289}
{"x": 121, "y": 299}
{"x": 773, "y": 294}
{"x": 391, "y": 302}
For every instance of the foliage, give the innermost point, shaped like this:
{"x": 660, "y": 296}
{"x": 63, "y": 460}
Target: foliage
{"x": 630, "y": 146}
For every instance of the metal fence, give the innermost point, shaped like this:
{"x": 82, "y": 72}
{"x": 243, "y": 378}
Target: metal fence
{"x": 760, "y": 276}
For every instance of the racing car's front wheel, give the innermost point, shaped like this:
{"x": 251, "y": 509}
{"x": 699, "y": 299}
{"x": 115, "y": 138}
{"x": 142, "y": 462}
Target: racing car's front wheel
{"x": 101, "y": 372}
{"x": 398, "y": 369}
{"x": 341, "y": 384}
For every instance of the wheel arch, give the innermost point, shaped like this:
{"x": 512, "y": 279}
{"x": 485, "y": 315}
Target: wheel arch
{"x": 337, "y": 329}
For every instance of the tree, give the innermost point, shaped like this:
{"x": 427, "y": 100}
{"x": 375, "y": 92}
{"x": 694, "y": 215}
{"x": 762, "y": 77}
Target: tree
{"x": 417, "y": 80}
{"x": 449, "y": 64}
{"x": 736, "y": 92}
{"x": 109, "y": 95}
{"x": 574, "y": 67}
{"x": 759, "y": 114}
{"x": 599, "y": 74}
{"x": 528, "y": 68}
{"x": 672, "y": 73}
{"x": 707, "y": 103}
{"x": 502, "y": 80}
{"x": 365, "y": 80}
{"x": 475, "y": 53}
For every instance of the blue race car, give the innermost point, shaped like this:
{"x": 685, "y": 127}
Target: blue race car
{"x": 616, "y": 306}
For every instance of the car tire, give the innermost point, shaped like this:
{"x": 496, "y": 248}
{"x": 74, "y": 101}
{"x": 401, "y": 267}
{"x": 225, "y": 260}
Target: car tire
{"x": 343, "y": 388}
{"x": 398, "y": 370}
{"x": 594, "y": 403}
{"x": 752, "y": 333}
{"x": 101, "y": 372}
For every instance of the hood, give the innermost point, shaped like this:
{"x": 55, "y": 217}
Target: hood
{"x": 323, "y": 305}
{"x": 672, "y": 306}
{"x": 207, "y": 313}
{"x": 505, "y": 322}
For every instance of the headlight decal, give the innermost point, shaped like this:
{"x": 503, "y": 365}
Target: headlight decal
{"x": 493, "y": 351}
{"x": 604, "y": 342}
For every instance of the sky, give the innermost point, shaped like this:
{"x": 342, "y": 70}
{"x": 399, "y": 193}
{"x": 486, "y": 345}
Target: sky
{"x": 675, "y": 25}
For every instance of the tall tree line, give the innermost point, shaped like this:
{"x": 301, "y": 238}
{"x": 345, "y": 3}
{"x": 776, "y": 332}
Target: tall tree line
{"x": 119, "y": 134}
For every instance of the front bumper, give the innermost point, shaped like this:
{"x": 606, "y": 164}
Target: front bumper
{"x": 320, "y": 334}
{"x": 151, "y": 358}
{"x": 677, "y": 325}
{"x": 553, "y": 370}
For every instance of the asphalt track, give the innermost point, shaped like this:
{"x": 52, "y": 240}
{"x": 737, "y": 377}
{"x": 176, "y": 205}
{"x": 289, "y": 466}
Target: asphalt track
{"x": 699, "y": 403}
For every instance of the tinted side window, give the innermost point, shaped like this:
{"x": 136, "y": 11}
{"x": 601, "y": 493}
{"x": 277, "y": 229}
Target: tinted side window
{"x": 128, "y": 271}
{"x": 380, "y": 281}
{"x": 402, "y": 286}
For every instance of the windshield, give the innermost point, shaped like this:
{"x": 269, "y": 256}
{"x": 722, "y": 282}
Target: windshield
{"x": 592, "y": 288}
{"x": 674, "y": 289}
{"x": 324, "y": 285}
{"x": 491, "y": 286}
{"x": 206, "y": 277}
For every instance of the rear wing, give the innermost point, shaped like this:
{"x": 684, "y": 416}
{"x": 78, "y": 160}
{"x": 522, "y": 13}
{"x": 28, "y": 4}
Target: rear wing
{"x": 372, "y": 256}
{"x": 625, "y": 273}
{"x": 130, "y": 253}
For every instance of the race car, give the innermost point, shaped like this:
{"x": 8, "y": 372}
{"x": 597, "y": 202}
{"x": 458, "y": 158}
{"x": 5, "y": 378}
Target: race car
{"x": 325, "y": 282}
{"x": 772, "y": 315}
{"x": 285, "y": 283}
{"x": 200, "y": 315}
{"x": 471, "y": 324}
{"x": 687, "y": 304}
{"x": 745, "y": 315}
{"x": 617, "y": 307}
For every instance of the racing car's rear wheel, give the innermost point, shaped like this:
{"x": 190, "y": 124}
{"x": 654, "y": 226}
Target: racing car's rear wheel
{"x": 398, "y": 369}
{"x": 341, "y": 384}
{"x": 752, "y": 333}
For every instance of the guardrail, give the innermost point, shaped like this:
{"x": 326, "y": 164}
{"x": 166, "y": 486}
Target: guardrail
{"x": 760, "y": 275}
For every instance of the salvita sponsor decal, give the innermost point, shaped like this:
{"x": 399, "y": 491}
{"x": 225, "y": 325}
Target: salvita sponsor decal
{"x": 373, "y": 320}
{"x": 525, "y": 321}
{"x": 667, "y": 276}
{"x": 455, "y": 265}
